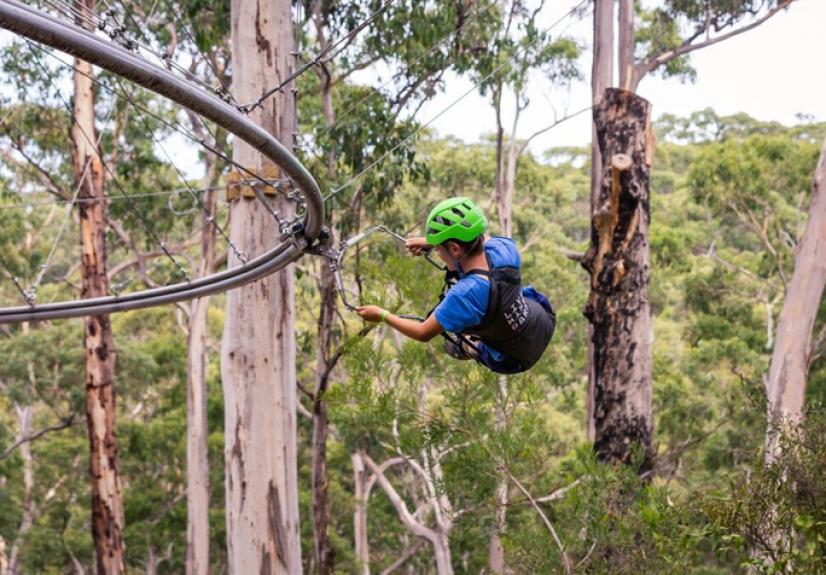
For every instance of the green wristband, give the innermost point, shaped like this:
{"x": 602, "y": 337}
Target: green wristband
{"x": 383, "y": 316}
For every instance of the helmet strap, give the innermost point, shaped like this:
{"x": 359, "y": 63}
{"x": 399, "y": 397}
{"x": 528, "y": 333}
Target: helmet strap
{"x": 473, "y": 247}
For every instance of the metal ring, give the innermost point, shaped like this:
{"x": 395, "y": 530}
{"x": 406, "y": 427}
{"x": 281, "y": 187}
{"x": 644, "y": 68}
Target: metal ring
{"x": 46, "y": 29}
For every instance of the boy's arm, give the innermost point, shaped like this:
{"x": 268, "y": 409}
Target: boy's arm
{"x": 419, "y": 330}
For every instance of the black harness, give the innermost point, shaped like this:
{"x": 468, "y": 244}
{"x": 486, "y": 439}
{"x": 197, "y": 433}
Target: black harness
{"x": 517, "y": 326}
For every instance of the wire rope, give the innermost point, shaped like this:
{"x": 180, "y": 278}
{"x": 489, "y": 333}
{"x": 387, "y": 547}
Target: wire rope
{"x": 146, "y": 223}
{"x": 316, "y": 60}
{"x": 473, "y": 88}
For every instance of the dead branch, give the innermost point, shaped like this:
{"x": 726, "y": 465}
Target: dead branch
{"x": 68, "y": 422}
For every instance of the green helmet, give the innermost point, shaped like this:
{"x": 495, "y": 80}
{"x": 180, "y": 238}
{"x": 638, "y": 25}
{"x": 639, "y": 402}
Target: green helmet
{"x": 455, "y": 219}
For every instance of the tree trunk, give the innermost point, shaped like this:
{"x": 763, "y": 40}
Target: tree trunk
{"x": 627, "y": 64}
{"x": 24, "y": 419}
{"x": 360, "y": 514}
{"x": 4, "y": 564}
{"x": 602, "y": 77}
{"x": 107, "y": 503}
{"x": 258, "y": 350}
{"x": 496, "y": 554}
{"x": 499, "y": 183}
{"x": 507, "y": 181}
{"x": 197, "y": 459}
{"x": 789, "y": 370}
{"x": 322, "y": 549}
{"x": 618, "y": 263}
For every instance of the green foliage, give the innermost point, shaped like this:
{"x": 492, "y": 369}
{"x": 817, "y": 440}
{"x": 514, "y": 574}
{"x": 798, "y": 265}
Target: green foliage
{"x": 674, "y": 24}
{"x": 774, "y": 520}
{"x": 728, "y": 205}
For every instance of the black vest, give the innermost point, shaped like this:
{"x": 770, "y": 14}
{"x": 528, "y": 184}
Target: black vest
{"x": 513, "y": 324}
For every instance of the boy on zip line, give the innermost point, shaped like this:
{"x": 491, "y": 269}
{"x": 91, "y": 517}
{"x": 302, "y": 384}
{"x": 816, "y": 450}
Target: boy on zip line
{"x": 498, "y": 323}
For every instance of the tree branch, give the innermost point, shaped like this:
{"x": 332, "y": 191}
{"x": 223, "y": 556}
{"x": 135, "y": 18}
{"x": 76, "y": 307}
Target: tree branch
{"x": 399, "y": 504}
{"x": 688, "y": 46}
{"x": 403, "y": 558}
{"x": 566, "y": 562}
{"x": 551, "y": 126}
{"x": 57, "y": 427}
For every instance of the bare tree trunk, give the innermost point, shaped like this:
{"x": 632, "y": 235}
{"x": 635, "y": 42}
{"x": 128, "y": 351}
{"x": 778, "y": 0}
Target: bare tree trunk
{"x": 107, "y": 503}
{"x": 360, "y": 514}
{"x": 258, "y": 350}
{"x": 322, "y": 548}
{"x": 507, "y": 180}
{"x": 602, "y": 77}
{"x": 4, "y": 563}
{"x": 627, "y": 64}
{"x": 499, "y": 183}
{"x": 24, "y": 420}
{"x": 789, "y": 370}
{"x": 618, "y": 262}
{"x": 197, "y": 459}
{"x": 496, "y": 554}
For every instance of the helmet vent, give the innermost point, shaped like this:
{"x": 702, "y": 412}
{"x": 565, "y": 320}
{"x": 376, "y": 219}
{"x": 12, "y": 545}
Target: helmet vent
{"x": 458, "y": 212}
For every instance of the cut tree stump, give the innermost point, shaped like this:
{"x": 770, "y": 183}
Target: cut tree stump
{"x": 618, "y": 263}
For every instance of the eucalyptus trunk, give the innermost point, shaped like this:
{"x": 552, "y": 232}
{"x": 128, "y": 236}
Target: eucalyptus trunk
{"x": 362, "y": 545}
{"x": 619, "y": 266}
{"x": 602, "y": 77}
{"x": 24, "y": 421}
{"x": 627, "y": 63}
{"x": 323, "y": 556}
{"x": 99, "y": 350}
{"x": 793, "y": 349}
{"x": 197, "y": 454}
{"x": 258, "y": 349}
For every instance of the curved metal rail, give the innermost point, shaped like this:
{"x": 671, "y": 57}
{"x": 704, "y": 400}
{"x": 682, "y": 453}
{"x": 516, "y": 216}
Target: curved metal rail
{"x": 46, "y": 29}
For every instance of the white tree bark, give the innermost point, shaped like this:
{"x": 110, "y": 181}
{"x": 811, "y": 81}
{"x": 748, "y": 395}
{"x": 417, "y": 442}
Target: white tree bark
{"x": 24, "y": 423}
{"x": 4, "y": 563}
{"x": 789, "y": 370}
{"x": 438, "y": 537}
{"x": 197, "y": 468}
{"x": 627, "y": 64}
{"x": 496, "y": 553}
{"x": 360, "y": 514}
{"x": 258, "y": 350}
{"x": 602, "y": 77}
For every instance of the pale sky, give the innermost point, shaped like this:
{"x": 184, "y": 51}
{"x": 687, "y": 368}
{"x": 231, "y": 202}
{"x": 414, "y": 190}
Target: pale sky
{"x": 771, "y": 72}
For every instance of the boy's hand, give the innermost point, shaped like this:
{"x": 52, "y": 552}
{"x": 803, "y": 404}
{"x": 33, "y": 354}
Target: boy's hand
{"x": 417, "y": 246}
{"x": 370, "y": 312}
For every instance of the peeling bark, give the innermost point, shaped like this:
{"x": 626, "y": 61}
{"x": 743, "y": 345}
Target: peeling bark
{"x": 258, "y": 348}
{"x": 789, "y": 370}
{"x": 107, "y": 502}
{"x": 618, "y": 262}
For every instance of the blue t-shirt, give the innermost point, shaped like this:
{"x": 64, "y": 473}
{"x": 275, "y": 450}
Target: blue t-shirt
{"x": 465, "y": 304}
